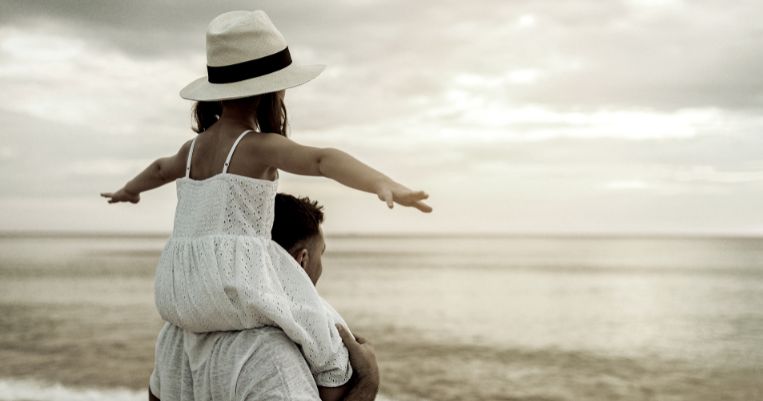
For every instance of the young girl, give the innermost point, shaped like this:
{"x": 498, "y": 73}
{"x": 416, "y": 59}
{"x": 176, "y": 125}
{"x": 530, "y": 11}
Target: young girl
{"x": 220, "y": 270}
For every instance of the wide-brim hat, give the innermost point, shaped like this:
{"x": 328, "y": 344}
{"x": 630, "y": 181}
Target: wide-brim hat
{"x": 246, "y": 56}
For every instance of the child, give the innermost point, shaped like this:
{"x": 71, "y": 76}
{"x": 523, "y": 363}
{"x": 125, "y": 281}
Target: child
{"x": 220, "y": 269}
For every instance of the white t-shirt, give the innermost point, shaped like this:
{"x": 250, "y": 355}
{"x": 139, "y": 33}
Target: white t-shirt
{"x": 247, "y": 365}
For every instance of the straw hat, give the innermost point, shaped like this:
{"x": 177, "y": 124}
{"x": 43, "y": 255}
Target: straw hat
{"x": 246, "y": 56}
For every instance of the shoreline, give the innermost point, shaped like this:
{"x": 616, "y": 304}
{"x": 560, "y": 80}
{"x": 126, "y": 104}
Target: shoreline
{"x": 12, "y": 389}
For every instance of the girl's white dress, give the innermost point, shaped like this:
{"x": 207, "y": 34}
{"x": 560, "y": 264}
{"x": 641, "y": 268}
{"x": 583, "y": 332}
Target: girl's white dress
{"x": 221, "y": 271}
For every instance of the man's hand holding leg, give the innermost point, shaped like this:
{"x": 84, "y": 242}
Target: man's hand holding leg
{"x": 363, "y": 361}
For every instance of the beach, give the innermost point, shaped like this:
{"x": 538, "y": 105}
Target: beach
{"x": 451, "y": 317}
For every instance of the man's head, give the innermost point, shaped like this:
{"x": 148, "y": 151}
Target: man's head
{"x": 297, "y": 228}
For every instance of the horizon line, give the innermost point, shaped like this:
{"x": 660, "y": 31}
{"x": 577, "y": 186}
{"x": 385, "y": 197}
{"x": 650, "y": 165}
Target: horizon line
{"x": 402, "y": 234}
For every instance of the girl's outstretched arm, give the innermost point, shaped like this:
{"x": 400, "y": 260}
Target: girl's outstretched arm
{"x": 287, "y": 155}
{"x": 161, "y": 171}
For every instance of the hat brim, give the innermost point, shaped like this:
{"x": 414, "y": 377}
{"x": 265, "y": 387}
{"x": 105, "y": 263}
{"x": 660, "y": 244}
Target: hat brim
{"x": 288, "y": 77}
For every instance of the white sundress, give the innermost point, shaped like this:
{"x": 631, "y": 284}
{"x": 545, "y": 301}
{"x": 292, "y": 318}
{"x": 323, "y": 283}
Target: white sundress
{"x": 221, "y": 271}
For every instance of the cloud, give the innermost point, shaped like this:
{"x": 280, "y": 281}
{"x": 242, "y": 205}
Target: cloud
{"x": 626, "y": 185}
{"x": 576, "y": 115}
{"x": 665, "y": 55}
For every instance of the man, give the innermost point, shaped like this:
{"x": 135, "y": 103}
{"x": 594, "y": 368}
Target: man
{"x": 262, "y": 363}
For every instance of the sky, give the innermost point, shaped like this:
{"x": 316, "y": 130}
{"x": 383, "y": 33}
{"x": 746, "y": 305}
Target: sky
{"x": 627, "y": 117}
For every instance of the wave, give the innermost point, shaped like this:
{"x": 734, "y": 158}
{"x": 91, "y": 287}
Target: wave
{"x": 34, "y": 390}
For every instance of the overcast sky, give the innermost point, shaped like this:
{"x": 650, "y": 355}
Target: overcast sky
{"x": 632, "y": 116}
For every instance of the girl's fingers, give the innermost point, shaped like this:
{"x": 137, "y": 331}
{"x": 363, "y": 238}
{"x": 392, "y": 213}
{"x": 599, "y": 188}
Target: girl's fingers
{"x": 386, "y": 196}
{"x": 347, "y": 338}
{"x": 413, "y": 197}
{"x": 423, "y": 207}
{"x": 108, "y": 195}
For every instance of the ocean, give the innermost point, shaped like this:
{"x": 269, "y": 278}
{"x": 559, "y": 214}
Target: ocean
{"x": 451, "y": 317}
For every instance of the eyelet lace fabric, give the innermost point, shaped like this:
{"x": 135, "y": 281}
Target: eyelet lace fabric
{"x": 221, "y": 271}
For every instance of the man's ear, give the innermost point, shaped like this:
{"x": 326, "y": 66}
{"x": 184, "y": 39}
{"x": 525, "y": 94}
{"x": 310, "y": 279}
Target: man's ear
{"x": 302, "y": 256}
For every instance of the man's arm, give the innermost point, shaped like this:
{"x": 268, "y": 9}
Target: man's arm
{"x": 335, "y": 393}
{"x": 363, "y": 361}
{"x": 364, "y": 383}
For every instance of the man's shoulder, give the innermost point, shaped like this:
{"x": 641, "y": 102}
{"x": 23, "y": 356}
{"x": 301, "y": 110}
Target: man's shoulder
{"x": 262, "y": 342}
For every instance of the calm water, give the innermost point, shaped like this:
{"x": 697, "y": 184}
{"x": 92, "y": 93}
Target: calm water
{"x": 521, "y": 318}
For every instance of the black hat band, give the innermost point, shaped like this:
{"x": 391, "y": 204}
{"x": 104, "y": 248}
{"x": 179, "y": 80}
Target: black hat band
{"x": 249, "y": 69}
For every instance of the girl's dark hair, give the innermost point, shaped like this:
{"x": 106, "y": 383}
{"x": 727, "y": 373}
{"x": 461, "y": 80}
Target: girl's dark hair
{"x": 296, "y": 220}
{"x": 270, "y": 112}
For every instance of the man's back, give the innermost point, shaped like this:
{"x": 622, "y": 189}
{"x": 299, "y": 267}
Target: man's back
{"x": 256, "y": 364}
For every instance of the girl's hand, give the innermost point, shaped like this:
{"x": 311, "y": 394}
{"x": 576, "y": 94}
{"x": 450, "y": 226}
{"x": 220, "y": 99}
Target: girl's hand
{"x": 121, "y": 196}
{"x": 392, "y": 192}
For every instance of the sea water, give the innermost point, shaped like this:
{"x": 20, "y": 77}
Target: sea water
{"x": 451, "y": 317}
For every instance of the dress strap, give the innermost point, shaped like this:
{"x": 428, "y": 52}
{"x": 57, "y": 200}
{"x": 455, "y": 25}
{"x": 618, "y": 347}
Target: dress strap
{"x": 227, "y": 161}
{"x": 188, "y": 163}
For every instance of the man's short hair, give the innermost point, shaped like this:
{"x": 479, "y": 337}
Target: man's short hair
{"x": 296, "y": 220}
